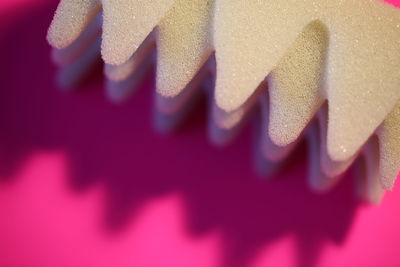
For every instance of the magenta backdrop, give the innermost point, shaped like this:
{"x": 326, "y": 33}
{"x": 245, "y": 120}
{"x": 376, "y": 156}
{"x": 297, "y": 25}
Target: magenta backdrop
{"x": 87, "y": 183}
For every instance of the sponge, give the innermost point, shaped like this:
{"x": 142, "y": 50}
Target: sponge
{"x": 326, "y": 70}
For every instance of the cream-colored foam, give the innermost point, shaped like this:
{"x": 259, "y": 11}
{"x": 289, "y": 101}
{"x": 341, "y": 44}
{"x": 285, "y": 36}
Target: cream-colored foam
{"x": 184, "y": 44}
{"x": 127, "y": 24}
{"x": 70, "y": 19}
{"x": 252, "y": 36}
{"x": 330, "y": 168}
{"x": 269, "y": 149}
{"x": 76, "y": 49}
{"x": 229, "y": 120}
{"x": 346, "y": 53}
{"x": 123, "y": 71}
{"x": 389, "y": 140}
{"x": 295, "y": 85}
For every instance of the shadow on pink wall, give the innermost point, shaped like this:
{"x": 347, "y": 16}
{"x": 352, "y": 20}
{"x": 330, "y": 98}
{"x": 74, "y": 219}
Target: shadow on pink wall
{"x": 116, "y": 145}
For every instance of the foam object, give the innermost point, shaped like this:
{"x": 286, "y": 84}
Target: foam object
{"x": 336, "y": 61}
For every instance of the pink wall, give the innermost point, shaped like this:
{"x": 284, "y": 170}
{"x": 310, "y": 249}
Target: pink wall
{"x": 87, "y": 183}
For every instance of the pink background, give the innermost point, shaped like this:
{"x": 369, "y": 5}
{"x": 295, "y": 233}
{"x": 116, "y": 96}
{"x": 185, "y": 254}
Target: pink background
{"x": 84, "y": 182}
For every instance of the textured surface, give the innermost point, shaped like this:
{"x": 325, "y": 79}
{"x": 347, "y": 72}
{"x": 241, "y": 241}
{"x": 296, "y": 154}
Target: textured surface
{"x": 72, "y": 163}
{"x": 71, "y": 18}
{"x": 295, "y": 84}
{"x": 339, "y": 55}
{"x": 362, "y": 57}
{"x": 389, "y": 134}
{"x": 127, "y": 24}
{"x": 184, "y": 44}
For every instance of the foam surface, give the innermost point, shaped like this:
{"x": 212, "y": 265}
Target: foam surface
{"x": 344, "y": 53}
{"x": 389, "y": 134}
{"x": 127, "y": 24}
{"x": 184, "y": 44}
{"x": 251, "y": 37}
{"x": 71, "y": 18}
{"x": 295, "y": 89}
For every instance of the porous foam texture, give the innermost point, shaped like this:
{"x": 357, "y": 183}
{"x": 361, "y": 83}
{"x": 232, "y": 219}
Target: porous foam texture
{"x": 336, "y": 61}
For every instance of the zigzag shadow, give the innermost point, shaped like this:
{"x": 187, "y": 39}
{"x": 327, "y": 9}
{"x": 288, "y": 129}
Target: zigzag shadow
{"x": 115, "y": 145}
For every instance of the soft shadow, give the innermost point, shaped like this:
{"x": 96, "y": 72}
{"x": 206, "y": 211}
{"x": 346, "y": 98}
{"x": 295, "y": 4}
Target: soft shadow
{"x": 116, "y": 145}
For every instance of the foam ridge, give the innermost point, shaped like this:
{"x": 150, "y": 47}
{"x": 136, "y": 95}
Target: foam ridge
{"x": 326, "y": 70}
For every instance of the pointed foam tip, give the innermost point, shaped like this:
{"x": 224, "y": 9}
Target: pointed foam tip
{"x": 228, "y": 102}
{"x": 70, "y": 20}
